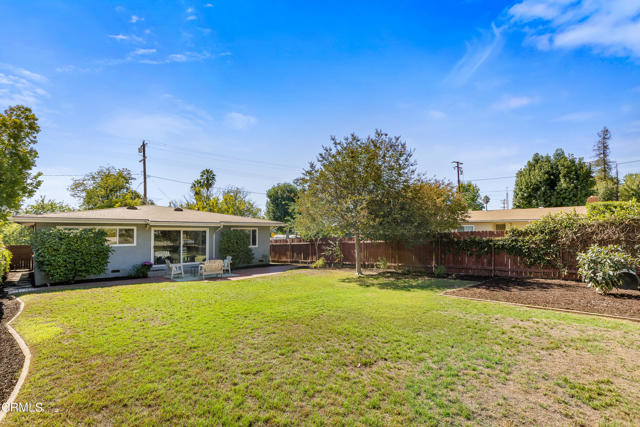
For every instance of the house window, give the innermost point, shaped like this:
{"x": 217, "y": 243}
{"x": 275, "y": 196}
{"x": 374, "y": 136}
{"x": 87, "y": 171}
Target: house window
{"x": 463, "y": 228}
{"x": 501, "y": 227}
{"x": 252, "y": 235}
{"x": 179, "y": 246}
{"x": 116, "y": 236}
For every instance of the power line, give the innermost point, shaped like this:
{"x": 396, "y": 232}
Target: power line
{"x": 189, "y": 183}
{"x": 225, "y": 157}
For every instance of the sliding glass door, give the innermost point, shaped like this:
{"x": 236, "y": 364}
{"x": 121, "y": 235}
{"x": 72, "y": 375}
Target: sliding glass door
{"x": 179, "y": 246}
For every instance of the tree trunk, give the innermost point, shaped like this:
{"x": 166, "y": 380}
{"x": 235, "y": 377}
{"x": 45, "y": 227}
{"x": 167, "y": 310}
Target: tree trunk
{"x": 317, "y": 243}
{"x": 358, "y": 268}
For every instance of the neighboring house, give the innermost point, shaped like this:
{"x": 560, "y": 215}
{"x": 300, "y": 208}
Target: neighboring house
{"x": 156, "y": 233}
{"x": 500, "y": 220}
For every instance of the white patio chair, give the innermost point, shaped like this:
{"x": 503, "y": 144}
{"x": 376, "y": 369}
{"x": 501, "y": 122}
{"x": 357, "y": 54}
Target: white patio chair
{"x": 210, "y": 267}
{"x": 174, "y": 269}
{"x": 226, "y": 265}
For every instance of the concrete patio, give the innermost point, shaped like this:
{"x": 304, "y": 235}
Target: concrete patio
{"x": 239, "y": 274}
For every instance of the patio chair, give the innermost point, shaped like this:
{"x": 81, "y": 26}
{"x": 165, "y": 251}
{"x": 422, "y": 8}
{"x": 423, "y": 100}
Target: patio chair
{"x": 226, "y": 265}
{"x": 174, "y": 269}
{"x": 210, "y": 267}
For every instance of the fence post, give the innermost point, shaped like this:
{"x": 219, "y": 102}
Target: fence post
{"x": 290, "y": 255}
{"x": 493, "y": 259}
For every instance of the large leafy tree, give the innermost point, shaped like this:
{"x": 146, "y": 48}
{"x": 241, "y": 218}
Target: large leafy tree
{"x": 471, "y": 194}
{"x": 235, "y": 201}
{"x": 230, "y": 201}
{"x": 558, "y": 180}
{"x": 18, "y": 134}
{"x": 630, "y": 188}
{"x": 108, "y": 187}
{"x": 44, "y": 205}
{"x": 16, "y": 234}
{"x": 280, "y": 201}
{"x": 369, "y": 188}
{"x": 311, "y": 221}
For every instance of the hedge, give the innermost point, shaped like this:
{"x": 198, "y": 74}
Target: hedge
{"x": 236, "y": 244}
{"x": 67, "y": 255}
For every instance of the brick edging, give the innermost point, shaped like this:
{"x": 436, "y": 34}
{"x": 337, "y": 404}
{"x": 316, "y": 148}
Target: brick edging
{"x": 539, "y": 307}
{"x": 27, "y": 360}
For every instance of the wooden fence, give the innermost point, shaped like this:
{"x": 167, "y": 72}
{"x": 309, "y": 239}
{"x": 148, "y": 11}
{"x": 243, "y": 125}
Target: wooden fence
{"x": 426, "y": 256}
{"x": 21, "y": 257}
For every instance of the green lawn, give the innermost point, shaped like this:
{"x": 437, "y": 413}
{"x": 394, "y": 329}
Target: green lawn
{"x": 320, "y": 348}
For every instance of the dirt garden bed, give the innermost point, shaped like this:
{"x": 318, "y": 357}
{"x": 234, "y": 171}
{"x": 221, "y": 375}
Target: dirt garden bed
{"x": 11, "y": 357}
{"x": 557, "y": 294}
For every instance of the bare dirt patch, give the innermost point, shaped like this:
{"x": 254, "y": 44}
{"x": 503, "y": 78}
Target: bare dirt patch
{"x": 561, "y": 294}
{"x": 11, "y": 357}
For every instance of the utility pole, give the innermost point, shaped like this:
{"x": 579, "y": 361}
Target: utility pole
{"x": 143, "y": 150}
{"x": 507, "y": 205}
{"x": 458, "y": 167}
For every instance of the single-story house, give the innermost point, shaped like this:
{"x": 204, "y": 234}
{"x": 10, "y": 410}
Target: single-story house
{"x": 500, "y": 220}
{"x": 156, "y": 233}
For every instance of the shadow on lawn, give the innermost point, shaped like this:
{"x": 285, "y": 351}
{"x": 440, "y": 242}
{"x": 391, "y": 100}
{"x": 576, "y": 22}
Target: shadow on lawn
{"x": 402, "y": 282}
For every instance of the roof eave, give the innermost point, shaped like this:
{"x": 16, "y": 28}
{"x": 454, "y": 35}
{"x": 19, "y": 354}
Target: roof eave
{"x": 44, "y": 219}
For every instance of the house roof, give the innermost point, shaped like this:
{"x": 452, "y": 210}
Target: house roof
{"x": 146, "y": 214}
{"x": 520, "y": 215}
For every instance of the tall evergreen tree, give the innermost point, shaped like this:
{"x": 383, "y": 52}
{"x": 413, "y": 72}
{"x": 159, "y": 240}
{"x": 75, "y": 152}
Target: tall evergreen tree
{"x": 602, "y": 151}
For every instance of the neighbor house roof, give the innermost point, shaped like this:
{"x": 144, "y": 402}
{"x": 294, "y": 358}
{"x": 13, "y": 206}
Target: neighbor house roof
{"x": 520, "y": 215}
{"x": 152, "y": 215}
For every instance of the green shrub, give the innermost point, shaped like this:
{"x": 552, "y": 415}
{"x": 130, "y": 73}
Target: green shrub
{"x": 67, "y": 255}
{"x": 382, "y": 263}
{"x": 5, "y": 261}
{"x": 235, "y": 243}
{"x": 333, "y": 252}
{"x": 600, "y": 266}
{"x": 613, "y": 210}
{"x": 320, "y": 263}
{"x": 140, "y": 270}
{"x": 16, "y": 234}
{"x": 440, "y": 271}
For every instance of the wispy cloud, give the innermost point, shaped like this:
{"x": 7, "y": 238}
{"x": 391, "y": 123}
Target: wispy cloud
{"x": 21, "y": 86}
{"x": 478, "y": 52}
{"x": 239, "y": 121}
{"x": 139, "y": 52}
{"x": 577, "y": 116}
{"x": 71, "y": 69}
{"x": 135, "y": 18}
{"x": 610, "y": 27}
{"x": 191, "y": 18}
{"x": 436, "y": 114}
{"x": 208, "y": 5}
{"x": 190, "y": 10}
{"x": 508, "y": 103}
{"x": 130, "y": 37}
{"x": 183, "y": 57}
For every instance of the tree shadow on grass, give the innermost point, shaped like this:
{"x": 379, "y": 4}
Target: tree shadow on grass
{"x": 403, "y": 282}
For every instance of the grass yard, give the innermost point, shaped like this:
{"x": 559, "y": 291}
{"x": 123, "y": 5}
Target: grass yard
{"x": 320, "y": 347}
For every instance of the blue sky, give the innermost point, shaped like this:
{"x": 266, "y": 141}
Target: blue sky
{"x": 253, "y": 89}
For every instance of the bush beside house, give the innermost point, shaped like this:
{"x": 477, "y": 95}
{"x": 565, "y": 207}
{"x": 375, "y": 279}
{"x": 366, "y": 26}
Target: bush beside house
{"x": 5, "y": 261}
{"x": 600, "y": 266}
{"x": 235, "y": 243}
{"x": 67, "y": 255}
